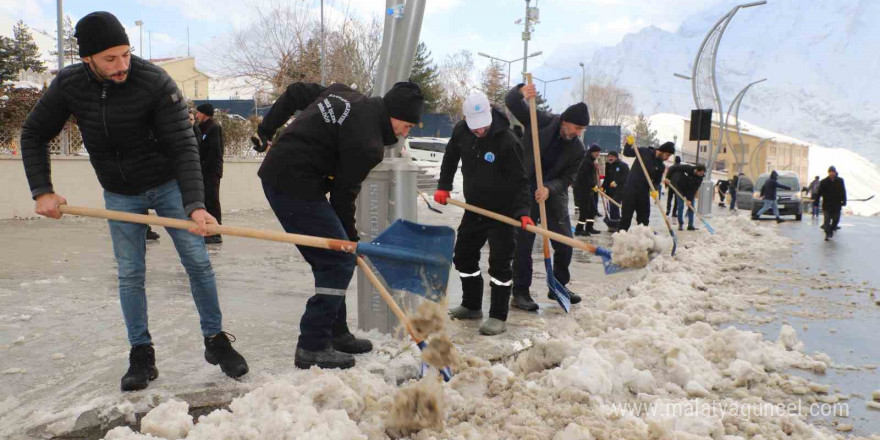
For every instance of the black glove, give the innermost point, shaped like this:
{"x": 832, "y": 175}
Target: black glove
{"x": 261, "y": 143}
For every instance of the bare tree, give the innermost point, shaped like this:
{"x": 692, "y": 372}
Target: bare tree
{"x": 455, "y": 78}
{"x": 609, "y": 104}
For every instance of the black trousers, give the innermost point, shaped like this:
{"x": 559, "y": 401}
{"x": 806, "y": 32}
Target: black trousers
{"x": 589, "y": 208}
{"x": 638, "y": 203}
{"x": 671, "y": 202}
{"x": 473, "y": 233}
{"x": 525, "y": 241}
{"x": 832, "y": 218}
{"x": 212, "y": 197}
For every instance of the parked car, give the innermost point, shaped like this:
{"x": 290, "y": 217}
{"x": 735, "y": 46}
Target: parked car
{"x": 426, "y": 148}
{"x": 748, "y": 194}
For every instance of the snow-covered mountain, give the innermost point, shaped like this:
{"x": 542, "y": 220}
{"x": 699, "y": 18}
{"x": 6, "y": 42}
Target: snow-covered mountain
{"x": 819, "y": 58}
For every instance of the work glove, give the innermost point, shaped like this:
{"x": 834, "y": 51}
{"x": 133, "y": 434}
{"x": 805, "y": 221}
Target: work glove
{"x": 526, "y": 221}
{"x": 440, "y": 196}
{"x": 630, "y": 140}
{"x": 613, "y": 184}
{"x": 595, "y": 189}
{"x": 261, "y": 143}
{"x": 655, "y": 195}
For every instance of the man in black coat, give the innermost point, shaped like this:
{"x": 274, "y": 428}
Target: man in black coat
{"x": 494, "y": 178}
{"x": 616, "y": 173}
{"x": 686, "y": 179}
{"x": 723, "y": 186}
{"x": 585, "y": 189}
{"x": 330, "y": 147}
{"x": 832, "y": 193}
{"x": 637, "y": 193}
{"x": 561, "y": 152}
{"x": 670, "y": 195}
{"x": 211, "y": 153}
{"x": 134, "y": 125}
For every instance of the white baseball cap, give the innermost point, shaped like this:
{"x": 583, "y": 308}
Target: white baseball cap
{"x": 477, "y": 112}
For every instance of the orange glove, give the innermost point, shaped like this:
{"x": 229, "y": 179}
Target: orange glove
{"x": 440, "y": 196}
{"x": 526, "y": 221}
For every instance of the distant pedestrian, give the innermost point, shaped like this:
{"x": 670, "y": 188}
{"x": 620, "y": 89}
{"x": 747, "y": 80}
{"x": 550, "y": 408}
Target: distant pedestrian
{"x": 616, "y": 172}
{"x": 813, "y": 191}
{"x": 670, "y": 197}
{"x": 211, "y": 154}
{"x": 687, "y": 180}
{"x": 723, "y": 186}
{"x": 768, "y": 193}
{"x": 734, "y": 187}
{"x": 585, "y": 188}
{"x": 832, "y": 191}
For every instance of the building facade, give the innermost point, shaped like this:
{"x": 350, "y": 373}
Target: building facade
{"x": 192, "y": 82}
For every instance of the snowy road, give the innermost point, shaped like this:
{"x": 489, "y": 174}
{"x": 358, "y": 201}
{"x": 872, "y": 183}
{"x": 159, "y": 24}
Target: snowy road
{"x": 657, "y": 337}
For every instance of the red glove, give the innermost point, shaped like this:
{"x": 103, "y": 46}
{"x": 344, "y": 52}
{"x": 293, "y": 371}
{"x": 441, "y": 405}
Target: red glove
{"x": 440, "y": 196}
{"x": 526, "y": 221}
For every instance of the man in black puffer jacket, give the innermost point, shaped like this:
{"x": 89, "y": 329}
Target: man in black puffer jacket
{"x": 211, "y": 153}
{"x": 585, "y": 190}
{"x": 494, "y": 179}
{"x": 134, "y": 125}
{"x": 561, "y": 152}
{"x": 832, "y": 193}
{"x": 686, "y": 179}
{"x": 330, "y": 147}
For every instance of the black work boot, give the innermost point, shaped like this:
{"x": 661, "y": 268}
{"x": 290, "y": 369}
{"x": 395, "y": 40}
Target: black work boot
{"x": 218, "y": 350}
{"x": 574, "y": 297}
{"x": 214, "y": 239}
{"x": 522, "y": 299}
{"x": 348, "y": 343}
{"x": 326, "y": 358}
{"x": 590, "y": 229}
{"x": 151, "y": 234}
{"x": 141, "y": 368}
{"x": 579, "y": 230}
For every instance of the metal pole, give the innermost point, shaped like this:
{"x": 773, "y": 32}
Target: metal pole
{"x": 526, "y": 37}
{"x": 583, "y": 83}
{"x": 187, "y": 41}
{"x": 150, "y": 42}
{"x": 60, "y": 14}
{"x": 323, "y": 74}
{"x": 508, "y": 74}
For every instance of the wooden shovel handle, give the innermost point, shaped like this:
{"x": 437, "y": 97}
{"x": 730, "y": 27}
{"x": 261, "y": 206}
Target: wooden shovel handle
{"x": 686, "y": 201}
{"x": 651, "y": 185}
{"x": 260, "y": 234}
{"x": 607, "y": 197}
{"x": 539, "y": 172}
{"x": 383, "y": 292}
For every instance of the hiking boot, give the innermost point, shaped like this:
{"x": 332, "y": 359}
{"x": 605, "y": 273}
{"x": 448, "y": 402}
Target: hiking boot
{"x": 579, "y": 230}
{"x": 326, "y": 358}
{"x": 493, "y": 326}
{"x": 151, "y": 234}
{"x": 692, "y": 228}
{"x": 214, "y": 239}
{"x": 348, "y": 343}
{"x": 574, "y": 297}
{"x": 141, "y": 368}
{"x": 680, "y": 227}
{"x": 779, "y": 220}
{"x": 592, "y": 230}
{"x": 218, "y": 350}
{"x": 462, "y": 312}
{"x": 523, "y": 300}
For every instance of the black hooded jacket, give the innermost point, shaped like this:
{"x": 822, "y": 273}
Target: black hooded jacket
{"x": 768, "y": 191}
{"x": 587, "y": 178}
{"x": 137, "y": 133}
{"x": 492, "y": 168}
{"x": 211, "y": 149}
{"x": 330, "y": 147}
{"x": 560, "y": 159}
{"x": 685, "y": 179}
{"x": 636, "y": 182}
{"x": 832, "y": 193}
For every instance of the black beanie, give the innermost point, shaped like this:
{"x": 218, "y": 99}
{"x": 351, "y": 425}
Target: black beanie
{"x": 594, "y": 148}
{"x": 667, "y": 147}
{"x": 700, "y": 167}
{"x": 206, "y": 109}
{"x": 98, "y": 32}
{"x": 832, "y": 169}
{"x": 405, "y": 101}
{"x": 614, "y": 153}
{"x": 577, "y": 114}
{"x": 677, "y": 159}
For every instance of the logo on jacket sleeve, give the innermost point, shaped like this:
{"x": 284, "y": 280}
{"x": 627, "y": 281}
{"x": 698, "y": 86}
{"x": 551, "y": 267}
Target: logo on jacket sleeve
{"x": 490, "y": 157}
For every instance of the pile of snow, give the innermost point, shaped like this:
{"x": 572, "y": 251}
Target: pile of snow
{"x": 624, "y": 367}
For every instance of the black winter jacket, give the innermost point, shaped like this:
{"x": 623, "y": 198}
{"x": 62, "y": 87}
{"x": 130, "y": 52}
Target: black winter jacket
{"x": 330, "y": 147}
{"x": 685, "y": 180}
{"x": 636, "y": 182}
{"x": 832, "y": 193}
{"x": 768, "y": 191}
{"x": 615, "y": 172}
{"x": 567, "y": 155}
{"x": 137, "y": 134}
{"x": 586, "y": 179}
{"x": 492, "y": 168}
{"x": 211, "y": 149}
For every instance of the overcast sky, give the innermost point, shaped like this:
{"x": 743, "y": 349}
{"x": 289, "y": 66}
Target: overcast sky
{"x": 566, "y": 29}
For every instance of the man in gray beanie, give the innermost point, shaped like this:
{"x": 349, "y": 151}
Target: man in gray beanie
{"x": 134, "y": 125}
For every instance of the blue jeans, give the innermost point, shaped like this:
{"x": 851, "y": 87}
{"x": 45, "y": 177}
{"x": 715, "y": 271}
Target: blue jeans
{"x": 732, "y": 200}
{"x": 562, "y": 253}
{"x": 679, "y": 212}
{"x": 129, "y": 248}
{"x": 325, "y": 315}
{"x": 767, "y": 205}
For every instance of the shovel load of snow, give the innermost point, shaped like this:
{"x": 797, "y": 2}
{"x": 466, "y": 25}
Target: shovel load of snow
{"x": 415, "y": 408}
{"x": 635, "y": 248}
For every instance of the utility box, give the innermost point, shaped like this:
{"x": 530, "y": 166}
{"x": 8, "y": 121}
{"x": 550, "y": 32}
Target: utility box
{"x": 388, "y": 194}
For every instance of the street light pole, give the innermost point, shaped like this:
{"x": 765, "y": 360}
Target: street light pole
{"x": 534, "y": 54}
{"x": 140, "y": 25}
{"x": 60, "y": 13}
{"x": 583, "y": 82}
{"x": 526, "y": 36}
{"x": 544, "y": 93}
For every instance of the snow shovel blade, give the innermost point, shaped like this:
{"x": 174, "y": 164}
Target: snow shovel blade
{"x": 445, "y": 371}
{"x": 674, "y": 241}
{"x": 558, "y": 289}
{"x": 413, "y": 257}
{"x": 610, "y": 268}
{"x": 708, "y": 226}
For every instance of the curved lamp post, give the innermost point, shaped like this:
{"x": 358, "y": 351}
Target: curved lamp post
{"x": 738, "y": 153}
{"x": 758, "y": 148}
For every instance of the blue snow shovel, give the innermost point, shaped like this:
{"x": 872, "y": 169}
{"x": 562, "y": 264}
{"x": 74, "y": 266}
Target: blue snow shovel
{"x": 409, "y": 256}
{"x": 691, "y": 207}
{"x": 657, "y": 200}
{"x": 558, "y": 290}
